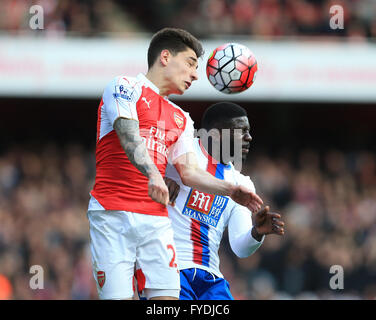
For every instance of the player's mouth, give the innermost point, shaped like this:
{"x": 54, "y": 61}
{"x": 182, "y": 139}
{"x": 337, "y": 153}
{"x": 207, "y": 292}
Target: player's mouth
{"x": 187, "y": 84}
{"x": 245, "y": 149}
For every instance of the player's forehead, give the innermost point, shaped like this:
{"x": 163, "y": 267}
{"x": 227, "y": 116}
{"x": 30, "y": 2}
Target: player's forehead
{"x": 188, "y": 54}
{"x": 240, "y": 123}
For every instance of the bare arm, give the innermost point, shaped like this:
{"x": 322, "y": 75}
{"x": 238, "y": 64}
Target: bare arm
{"x": 194, "y": 177}
{"x": 129, "y": 136}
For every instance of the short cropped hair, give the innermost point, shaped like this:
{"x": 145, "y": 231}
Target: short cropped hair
{"x": 219, "y": 114}
{"x": 175, "y": 40}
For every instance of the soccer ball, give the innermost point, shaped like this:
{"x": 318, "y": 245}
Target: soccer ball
{"x": 231, "y": 68}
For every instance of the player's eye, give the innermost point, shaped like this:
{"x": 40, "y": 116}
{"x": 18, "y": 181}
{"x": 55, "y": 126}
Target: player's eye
{"x": 192, "y": 64}
{"x": 237, "y": 132}
{"x": 245, "y": 132}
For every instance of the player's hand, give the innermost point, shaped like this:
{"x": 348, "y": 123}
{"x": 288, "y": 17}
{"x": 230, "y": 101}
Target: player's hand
{"x": 266, "y": 222}
{"x": 173, "y": 189}
{"x": 246, "y": 198}
{"x": 158, "y": 190}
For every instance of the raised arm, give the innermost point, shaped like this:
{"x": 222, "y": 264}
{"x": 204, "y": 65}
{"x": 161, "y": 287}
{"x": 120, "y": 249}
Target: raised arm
{"x": 194, "y": 177}
{"x": 129, "y": 135}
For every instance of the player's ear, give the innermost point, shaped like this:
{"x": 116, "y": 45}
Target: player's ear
{"x": 164, "y": 57}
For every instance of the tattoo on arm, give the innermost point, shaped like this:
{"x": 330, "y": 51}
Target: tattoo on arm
{"x": 128, "y": 132}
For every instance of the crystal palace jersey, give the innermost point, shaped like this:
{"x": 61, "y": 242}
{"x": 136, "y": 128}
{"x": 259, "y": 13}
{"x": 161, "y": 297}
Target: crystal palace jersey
{"x": 166, "y": 130}
{"x": 199, "y": 219}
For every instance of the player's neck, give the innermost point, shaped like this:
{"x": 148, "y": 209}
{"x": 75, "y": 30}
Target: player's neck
{"x": 156, "y": 78}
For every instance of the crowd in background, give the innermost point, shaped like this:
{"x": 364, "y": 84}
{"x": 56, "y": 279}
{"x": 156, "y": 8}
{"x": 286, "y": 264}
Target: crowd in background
{"x": 327, "y": 200}
{"x": 204, "y": 18}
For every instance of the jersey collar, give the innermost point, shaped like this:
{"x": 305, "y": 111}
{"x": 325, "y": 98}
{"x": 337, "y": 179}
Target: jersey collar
{"x": 150, "y": 84}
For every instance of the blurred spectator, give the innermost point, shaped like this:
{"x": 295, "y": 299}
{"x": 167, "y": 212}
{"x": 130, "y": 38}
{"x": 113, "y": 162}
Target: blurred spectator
{"x": 259, "y": 18}
{"x": 328, "y": 204}
{"x": 61, "y": 17}
{"x": 44, "y": 197}
{"x": 5, "y": 288}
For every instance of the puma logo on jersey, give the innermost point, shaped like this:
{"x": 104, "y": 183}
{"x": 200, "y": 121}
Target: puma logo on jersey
{"x": 147, "y": 102}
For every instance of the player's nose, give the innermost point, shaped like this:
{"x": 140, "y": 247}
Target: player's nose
{"x": 194, "y": 75}
{"x": 247, "y": 137}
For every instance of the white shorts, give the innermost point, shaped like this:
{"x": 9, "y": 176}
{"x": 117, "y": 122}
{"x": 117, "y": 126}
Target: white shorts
{"x": 121, "y": 241}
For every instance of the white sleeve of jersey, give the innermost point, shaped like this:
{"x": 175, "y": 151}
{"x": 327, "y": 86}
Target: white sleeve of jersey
{"x": 185, "y": 142}
{"x": 244, "y": 180}
{"x": 120, "y": 97}
{"x": 239, "y": 229}
{"x": 240, "y": 224}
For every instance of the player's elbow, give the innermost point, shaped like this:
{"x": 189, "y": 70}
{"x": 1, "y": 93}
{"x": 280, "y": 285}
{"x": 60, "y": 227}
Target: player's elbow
{"x": 188, "y": 181}
{"x": 187, "y": 176}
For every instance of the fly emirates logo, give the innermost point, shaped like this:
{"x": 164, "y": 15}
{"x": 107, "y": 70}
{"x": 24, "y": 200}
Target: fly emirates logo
{"x": 155, "y": 141}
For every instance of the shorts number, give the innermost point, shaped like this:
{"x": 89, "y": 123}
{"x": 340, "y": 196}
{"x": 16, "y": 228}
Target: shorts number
{"x": 172, "y": 262}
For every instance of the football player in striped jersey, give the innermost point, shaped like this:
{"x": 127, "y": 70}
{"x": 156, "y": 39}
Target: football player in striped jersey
{"x": 199, "y": 218}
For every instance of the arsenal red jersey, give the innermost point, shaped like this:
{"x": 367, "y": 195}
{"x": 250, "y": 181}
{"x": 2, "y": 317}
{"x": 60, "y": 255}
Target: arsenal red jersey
{"x": 166, "y": 130}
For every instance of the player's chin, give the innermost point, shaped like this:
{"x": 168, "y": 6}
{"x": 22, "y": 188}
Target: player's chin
{"x": 184, "y": 87}
{"x": 180, "y": 88}
{"x": 179, "y": 91}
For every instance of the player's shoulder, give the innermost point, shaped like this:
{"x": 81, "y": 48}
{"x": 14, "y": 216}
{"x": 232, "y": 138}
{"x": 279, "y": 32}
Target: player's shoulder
{"x": 124, "y": 80}
{"x": 244, "y": 180}
{"x": 123, "y": 87}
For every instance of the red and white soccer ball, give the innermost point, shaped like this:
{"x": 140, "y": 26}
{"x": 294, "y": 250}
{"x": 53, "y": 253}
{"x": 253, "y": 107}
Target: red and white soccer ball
{"x": 231, "y": 68}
